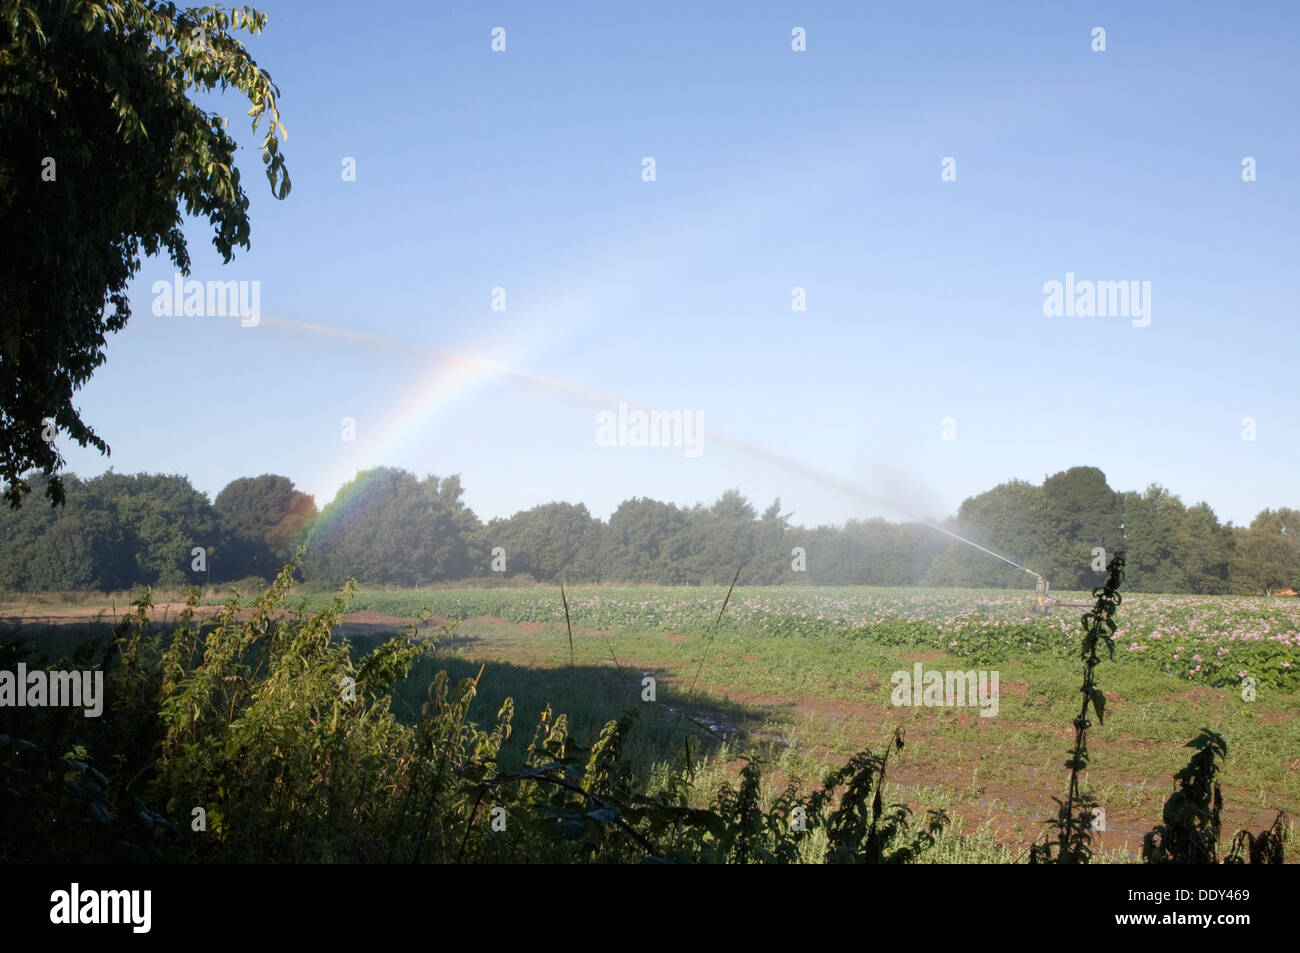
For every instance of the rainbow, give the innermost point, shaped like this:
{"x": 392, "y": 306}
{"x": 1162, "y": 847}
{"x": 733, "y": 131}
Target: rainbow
{"x": 453, "y": 378}
{"x": 461, "y": 373}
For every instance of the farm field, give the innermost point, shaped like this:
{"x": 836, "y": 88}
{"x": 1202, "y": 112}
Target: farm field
{"x": 801, "y": 678}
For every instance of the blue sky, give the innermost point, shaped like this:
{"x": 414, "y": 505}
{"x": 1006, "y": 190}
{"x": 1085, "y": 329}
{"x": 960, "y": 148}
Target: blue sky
{"x": 775, "y": 169}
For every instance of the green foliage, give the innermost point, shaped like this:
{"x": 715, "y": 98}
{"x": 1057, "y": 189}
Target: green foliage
{"x": 1266, "y": 847}
{"x": 102, "y": 152}
{"x": 646, "y": 540}
{"x": 1152, "y": 524}
{"x": 548, "y": 542}
{"x": 1055, "y": 528}
{"x": 263, "y": 519}
{"x": 1079, "y": 512}
{"x": 1074, "y": 818}
{"x": 868, "y": 552}
{"x": 1191, "y": 825}
{"x": 1267, "y": 556}
{"x": 387, "y": 526}
{"x": 250, "y": 716}
{"x": 116, "y": 531}
{"x": 287, "y": 741}
{"x": 1204, "y": 549}
{"x": 861, "y": 828}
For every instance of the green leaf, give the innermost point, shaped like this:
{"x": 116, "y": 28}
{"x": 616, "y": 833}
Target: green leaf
{"x": 1099, "y": 703}
{"x": 571, "y": 830}
{"x": 605, "y": 815}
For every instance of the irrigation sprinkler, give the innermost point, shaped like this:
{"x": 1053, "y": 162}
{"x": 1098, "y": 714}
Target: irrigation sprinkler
{"x": 1044, "y": 601}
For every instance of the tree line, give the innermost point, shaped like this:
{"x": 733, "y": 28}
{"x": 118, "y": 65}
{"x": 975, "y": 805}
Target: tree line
{"x": 390, "y": 527}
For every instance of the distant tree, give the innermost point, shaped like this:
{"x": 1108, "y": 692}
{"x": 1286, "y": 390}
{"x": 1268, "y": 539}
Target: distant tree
{"x": 831, "y": 557}
{"x": 1153, "y": 526}
{"x": 459, "y": 555}
{"x": 114, "y": 532}
{"x": 719, "y": 539}
{"x": 770, "y": 563}
{"x": 1080, "y": 513}
{"x": 871, "y": 552}
{"x": 915, "y": 548}
{"x": 550, "y": 542}
{"x": 1267, "y": 555}
{"x": 81, "y": 550}
{"x": 647, "y": 541}
{"x": 1013, "y": 519}
{"x": 1207, "y": 548}
{"x": 263, "y": 518}
{"x": 386, "y": 526}
{"x": 24, "y": 532}
{"x": 162, "y": 519}
{"x": 100, "y": 153}
{"x": 389, "y": 527}
{"x": 874, "y": 554}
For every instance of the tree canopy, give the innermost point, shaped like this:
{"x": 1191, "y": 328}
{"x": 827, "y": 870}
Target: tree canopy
{"x": 263, "y": 518}
{"x": 101, "y": 150}
{"x": 115, "y": 531}
{"x": 390, "y": 527}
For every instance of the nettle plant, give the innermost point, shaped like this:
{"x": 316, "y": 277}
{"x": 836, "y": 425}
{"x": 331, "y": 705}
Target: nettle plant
{"x": 1191, "y": 824}
{"x": 1189, "y": 833}
{"x": 257, "y": 736}
{"x": 1074, "y": 818}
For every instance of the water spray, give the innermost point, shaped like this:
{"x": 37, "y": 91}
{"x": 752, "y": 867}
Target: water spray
{"x": 387, "y": 343}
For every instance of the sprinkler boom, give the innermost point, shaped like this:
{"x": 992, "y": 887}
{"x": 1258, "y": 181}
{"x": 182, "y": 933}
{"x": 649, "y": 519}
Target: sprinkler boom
{"x": 1043, "y": 602}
